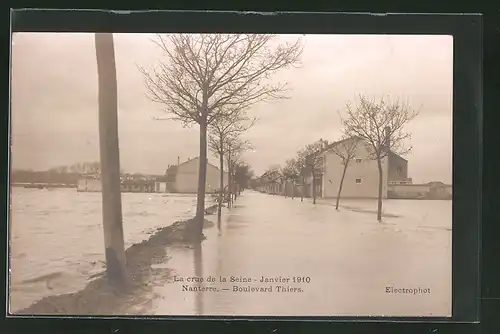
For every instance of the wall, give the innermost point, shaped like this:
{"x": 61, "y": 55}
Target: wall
{"x": 398, "y": 168}
{"x": 288, "y": 188}
{"x": 419, "y": 191}
{"x": 318, "y": 183}
{"x": 274, "y": 188}
{"x": 366, "y": 170}
{"x": 408, "y": 190}
{"x": 186, "y": 180}
{"x": 161, "y": 187}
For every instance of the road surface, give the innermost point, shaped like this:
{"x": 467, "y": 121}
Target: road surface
{"x": 344, "y": 263}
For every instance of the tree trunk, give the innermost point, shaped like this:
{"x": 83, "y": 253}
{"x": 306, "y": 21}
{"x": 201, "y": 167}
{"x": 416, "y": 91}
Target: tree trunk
{"x": 233, "y": 188}
{"x": 221, "y": 194}
{"x": 110, "y": 160}
{"x": 198, "y": 272}
{"x": 340, "y": 187}
{"x": 293, "y": 189}
{"x": 202, "y": 178}
{"x": 313, "y": 184}
{"x": 303, "y": 189}
{"x": 229, "y": 179}
{"x": 235, "y": 193}
{"x": 380, "y": 180}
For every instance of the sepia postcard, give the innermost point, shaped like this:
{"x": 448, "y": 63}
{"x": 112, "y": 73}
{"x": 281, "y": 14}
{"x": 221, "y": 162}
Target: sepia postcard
{"x": 231, "y": 175}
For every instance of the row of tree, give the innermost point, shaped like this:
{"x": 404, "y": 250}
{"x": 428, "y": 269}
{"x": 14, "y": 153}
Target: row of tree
{"x": 310, "y": 162}
{"x": 211, "y": 81}
{"x": 226, "y": 143}
{"x": 379, "y": 125}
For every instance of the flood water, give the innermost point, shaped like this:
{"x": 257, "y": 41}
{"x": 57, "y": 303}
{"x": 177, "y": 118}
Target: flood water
{"x": 347, "y": 257}
{"x": 345, "y": 260}
{"x": 58, "y": 232}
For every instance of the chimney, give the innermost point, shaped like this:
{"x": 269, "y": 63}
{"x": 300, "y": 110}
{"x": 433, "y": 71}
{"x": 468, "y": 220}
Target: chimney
{"x": 387, "y": 139}
{"x": 178, "y": 161}
{"x": 322, "y": 143}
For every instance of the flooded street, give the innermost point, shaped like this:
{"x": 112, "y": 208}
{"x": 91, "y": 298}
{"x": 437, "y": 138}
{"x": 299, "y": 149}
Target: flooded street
{"x": 57, "y": 241}
{"x": 344, "y": 263}
{"x": 270, "y": 255}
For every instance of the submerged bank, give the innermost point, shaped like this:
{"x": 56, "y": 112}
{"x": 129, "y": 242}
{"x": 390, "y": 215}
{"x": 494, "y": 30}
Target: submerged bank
{"x": 100, "y": 298}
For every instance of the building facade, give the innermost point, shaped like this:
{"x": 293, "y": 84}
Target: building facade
{"x": 271, "y": 182}
{"x": 362, "y": 175}
{"x": 186, "y": 177}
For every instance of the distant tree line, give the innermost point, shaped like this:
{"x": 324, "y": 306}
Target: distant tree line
{"x": 49, "y": 176}
{"x": 61, "y": 174}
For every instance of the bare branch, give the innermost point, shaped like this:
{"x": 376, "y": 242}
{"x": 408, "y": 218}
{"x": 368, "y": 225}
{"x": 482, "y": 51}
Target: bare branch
{"x": 380, "y": 124}
{"x": 205, "y": 77}
{"x": 345, "y": 149}
{"x": 224, "y": 130}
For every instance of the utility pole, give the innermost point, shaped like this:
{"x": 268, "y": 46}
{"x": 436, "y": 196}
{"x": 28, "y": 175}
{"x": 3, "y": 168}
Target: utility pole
{"x": 110, "y": 159}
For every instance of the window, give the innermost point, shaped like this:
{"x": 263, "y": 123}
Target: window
{"x": 358, "y": 181}
{"x": 358, "y": 161}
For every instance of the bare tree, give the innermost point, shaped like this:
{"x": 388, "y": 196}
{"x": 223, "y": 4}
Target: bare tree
{"x": 235, "y": 147}
{"x": 242, "y": 175}
{"x": 210, "y": 76}
{"x": 220, "y": 131}
{"x": 290, "y": 173}
{"x": 272, "y": 177}
{"x": 295, "y": 173}
{"x": 345, "y": 149}
{"x": 380, "y": 123}
{"x": 284, "y": 172}
{"x": 312, "y": 162}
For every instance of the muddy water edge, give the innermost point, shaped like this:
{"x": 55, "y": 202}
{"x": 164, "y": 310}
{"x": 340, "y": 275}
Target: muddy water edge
{"x": 100, "y": 298}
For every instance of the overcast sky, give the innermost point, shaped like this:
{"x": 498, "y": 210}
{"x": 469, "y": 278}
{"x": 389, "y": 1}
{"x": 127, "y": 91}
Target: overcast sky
{"x": 54, "y": 101}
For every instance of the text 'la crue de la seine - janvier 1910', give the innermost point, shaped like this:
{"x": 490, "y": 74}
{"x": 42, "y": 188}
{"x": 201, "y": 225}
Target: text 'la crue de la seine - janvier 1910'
{"x": 243, "y": 284}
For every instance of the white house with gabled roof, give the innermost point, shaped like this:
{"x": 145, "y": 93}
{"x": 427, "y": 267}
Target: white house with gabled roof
{"x": 362, "y": 175}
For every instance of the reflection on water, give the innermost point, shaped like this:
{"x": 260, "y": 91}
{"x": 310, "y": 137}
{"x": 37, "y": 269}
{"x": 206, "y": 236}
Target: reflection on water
{"x": 57, "y": 240}
{"x": 198, "y": 272}
{"x": 348, "y": 256}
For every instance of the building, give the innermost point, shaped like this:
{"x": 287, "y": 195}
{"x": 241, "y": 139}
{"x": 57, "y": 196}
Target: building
{"x": 433, "y": 190}
{"x": 183, "y": 178}
{"x": 161, "y": 186}
{"x": 128, "y": 183}
{"x": 271, "y": 182}
{"x": 362, "y": 175}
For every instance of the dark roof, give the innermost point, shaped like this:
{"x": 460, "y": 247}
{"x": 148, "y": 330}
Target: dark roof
{"x": 335, "y": 143}
{"x": 269, "y": 173}
{"x": 397, "y": 155}
{"x": 197, "y": 158}
{"x": 332, "y": 145}
{"x": 436, "y": 183}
